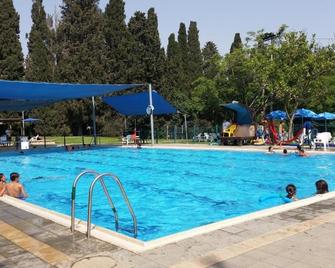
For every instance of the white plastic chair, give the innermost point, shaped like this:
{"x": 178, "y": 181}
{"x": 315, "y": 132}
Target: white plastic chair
{"x": 322, "y": 138}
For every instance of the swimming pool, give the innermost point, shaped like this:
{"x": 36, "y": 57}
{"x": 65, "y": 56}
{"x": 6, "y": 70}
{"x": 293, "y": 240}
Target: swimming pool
{"x": 170, "y": 190}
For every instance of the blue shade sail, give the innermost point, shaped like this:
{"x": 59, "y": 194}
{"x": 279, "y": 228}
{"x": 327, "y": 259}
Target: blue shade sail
{"x": 20, "y": 90}
{"x": 305, "y": 113}
{"x": 136, "y": 104}
{"x": 325, "y": 116}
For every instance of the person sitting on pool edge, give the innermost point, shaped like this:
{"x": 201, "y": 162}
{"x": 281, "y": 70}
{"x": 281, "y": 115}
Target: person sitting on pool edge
{"x": 291, "y": 191}
{"x": 14, "y": 188}
{"x": 2, "y": 181}
{"x": 321, "y": 187}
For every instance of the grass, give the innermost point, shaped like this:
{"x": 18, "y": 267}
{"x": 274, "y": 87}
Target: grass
{"x": 59, "y": 140}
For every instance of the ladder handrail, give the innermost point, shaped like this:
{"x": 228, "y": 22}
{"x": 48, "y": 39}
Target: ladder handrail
{"x": 124, "y": 195}
{"x": 73, "y": 197}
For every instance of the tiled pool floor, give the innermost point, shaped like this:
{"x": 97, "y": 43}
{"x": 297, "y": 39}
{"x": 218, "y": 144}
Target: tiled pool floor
{"x": 303, "y": 237}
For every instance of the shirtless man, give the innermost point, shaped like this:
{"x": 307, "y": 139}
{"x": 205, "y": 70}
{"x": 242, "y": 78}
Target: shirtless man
{"x": 15, "y": 188}
{"x": 2, "y": 181}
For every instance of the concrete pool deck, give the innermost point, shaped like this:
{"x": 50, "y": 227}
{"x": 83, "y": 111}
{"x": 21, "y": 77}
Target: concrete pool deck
{"x": 302, "y": 237}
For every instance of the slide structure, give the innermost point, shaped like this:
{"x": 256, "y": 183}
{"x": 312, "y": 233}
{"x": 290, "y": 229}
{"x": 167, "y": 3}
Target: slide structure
{"x": 275, "y": 135}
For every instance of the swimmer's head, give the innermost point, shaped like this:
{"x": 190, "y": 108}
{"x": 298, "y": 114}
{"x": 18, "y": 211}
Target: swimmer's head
{"x": 321, "y": 187}
{"x": 291, "y": 190}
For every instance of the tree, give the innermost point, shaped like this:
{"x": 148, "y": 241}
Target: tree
{"x": 137, "y": 28}
{"x": 173, "y": 72}
{"x": 195, "y": 60}
{"x": 237, "y": 44}
{"x": 118, "y": 42}
{"x": 81, "y": 54}
{"x": 300, "y": 67}
{"x": 40, "y": 59}
{"x": 211, "y": 58}
{"x": 155, "y": 54}
{"x": 11, "y": 57}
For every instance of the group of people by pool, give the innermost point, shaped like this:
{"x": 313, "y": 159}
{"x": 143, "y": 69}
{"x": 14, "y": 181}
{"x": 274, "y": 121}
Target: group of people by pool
{"x": 14, "y": 188}
{"x": 321, "y": 188}
{"x": 300, "y": 151}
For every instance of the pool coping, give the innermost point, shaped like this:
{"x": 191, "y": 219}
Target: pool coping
{"x": 139, "y": 246}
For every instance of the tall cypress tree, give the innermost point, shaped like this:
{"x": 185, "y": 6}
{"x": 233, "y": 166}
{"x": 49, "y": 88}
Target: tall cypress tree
{"x": 40, "y": 60}
{"x": 81, "y": 54}
{"x": 118, "y": 40}
{"x": 210, "y": 54}
{"x": 172, "y": 77}
{"x": 195, "y": 56}
{"x": 11, "y": 57}
{"x": 155, "y": 54}
{"x": 183, "y": 46}
{"x": 237, "y": 43}
{"x": 137, "y": 29}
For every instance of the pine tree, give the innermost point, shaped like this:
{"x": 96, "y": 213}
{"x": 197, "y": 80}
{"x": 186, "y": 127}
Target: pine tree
{"x": 11, "y": 57}
{"x": 237, "y": 44}
{"x": 195, "y": 56}
{"x": 210, "y": 55}
{"x": 118, "y": 42}
{"x": 40, "y": 60}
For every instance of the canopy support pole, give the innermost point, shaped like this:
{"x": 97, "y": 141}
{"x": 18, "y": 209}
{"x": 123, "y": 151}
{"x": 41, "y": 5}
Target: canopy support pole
{"x": 151, "y": 116}
{"x": 23, "y": 130}
{"x": 94, "y": 122}
{"x": 186, "y": 134}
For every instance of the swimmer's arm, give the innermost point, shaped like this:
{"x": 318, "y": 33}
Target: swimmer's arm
{"x": 23, "y": 192}
{"x": 3, "y": 191}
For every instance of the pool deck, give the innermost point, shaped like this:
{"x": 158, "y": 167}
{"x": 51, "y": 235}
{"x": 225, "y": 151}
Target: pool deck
{"x": 301, "y": 237}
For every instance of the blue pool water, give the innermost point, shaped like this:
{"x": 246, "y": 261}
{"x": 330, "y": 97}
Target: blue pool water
{"x": 170, "y": 190}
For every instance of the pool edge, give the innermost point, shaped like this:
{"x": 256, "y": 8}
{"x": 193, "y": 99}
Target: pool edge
{"x": 139, "y": 246}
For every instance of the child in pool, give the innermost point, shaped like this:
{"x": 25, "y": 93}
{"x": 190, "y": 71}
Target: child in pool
{"x": 2, "y": 182}
{"x": 14, "y": 188}
{"x": 321, "y": 187}
{"x": 291, "y": 191}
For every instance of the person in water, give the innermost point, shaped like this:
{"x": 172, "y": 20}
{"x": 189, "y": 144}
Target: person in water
{"x": 291, "y": 191}
{"x": 302, "y": 153}
{"x": 285, "y": 152}
{"x": 2, "y": 181}
{"x": 14, "y": 188}
{"x": 270, "y": 150}
{"x": 321, "y": 187}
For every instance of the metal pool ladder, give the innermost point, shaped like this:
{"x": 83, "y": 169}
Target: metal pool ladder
{"x": 100, "y": 178}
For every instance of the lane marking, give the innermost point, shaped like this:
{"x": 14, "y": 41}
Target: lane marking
{"x": 39, "y": 249}
{"x": 217, "y": 256}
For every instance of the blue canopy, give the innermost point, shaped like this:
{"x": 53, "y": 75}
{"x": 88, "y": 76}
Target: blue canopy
{"x": 243, "y": 114}
{"x": 31, "y": 120}
{"x": 136, "y": 104}
{"x": 277, "y": 115}
{"x": 304, "y": 113}
{"x": 22, "y": 95}
{"x": 325, "y": 116}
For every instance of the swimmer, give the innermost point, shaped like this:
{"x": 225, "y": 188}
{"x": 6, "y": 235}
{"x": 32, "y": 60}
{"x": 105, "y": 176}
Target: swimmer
{"x": 285, "y": 152}
{"x": 14, "y": 188}
{"x": 2, "y": 181}
{"x": 302, "y": 153}
{"x": 321, "y": 187}
{"x": 270, "y": 150}
{"x": 291, "y": 191}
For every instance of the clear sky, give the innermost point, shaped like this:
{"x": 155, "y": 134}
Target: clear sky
{"x": 219, "y": 20}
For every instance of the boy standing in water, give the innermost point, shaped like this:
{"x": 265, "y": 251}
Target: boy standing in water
{"x": 14, "y": 188}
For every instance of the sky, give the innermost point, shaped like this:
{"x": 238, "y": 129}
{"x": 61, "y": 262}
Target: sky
{"x": 219, "y": 20}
